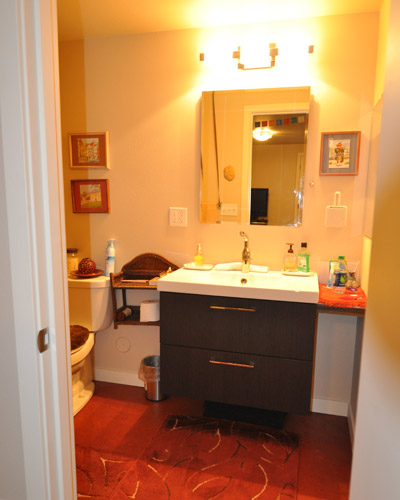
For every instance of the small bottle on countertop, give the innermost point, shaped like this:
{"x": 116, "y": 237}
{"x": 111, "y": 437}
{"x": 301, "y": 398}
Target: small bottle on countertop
{"x": 198, "y": 258}
{"x": 340, "y": 272}
{"x": 303, "y": 259}
{"x": 110, "y": 260}
{"x": 72, "y": 260}
{"x": 290, "y": 259}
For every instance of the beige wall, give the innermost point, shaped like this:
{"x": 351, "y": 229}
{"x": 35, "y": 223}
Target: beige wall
{"x": 377, "y": 443}
{"x": 145, "y": 90}
{"x": 375, "y": 141}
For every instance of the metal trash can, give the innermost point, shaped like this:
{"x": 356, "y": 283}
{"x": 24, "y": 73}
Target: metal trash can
{"x": 149, "y": 372}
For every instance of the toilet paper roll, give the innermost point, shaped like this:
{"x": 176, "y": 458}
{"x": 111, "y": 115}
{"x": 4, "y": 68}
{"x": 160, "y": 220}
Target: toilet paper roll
{"x": 149, "y": 310}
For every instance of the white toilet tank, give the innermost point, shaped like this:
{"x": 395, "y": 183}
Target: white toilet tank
{"x": 90, "y": 303}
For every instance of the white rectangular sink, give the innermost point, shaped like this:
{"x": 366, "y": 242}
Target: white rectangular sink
{"x": 264, "y": 286}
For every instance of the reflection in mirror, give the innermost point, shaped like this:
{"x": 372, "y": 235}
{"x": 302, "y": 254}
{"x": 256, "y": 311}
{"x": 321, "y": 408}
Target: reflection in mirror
{"x": 277, "y": 169}
{"x": 252, "y": 181}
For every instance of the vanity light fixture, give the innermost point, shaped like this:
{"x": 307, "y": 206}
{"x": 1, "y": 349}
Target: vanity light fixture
{"x": 273, "y": 52}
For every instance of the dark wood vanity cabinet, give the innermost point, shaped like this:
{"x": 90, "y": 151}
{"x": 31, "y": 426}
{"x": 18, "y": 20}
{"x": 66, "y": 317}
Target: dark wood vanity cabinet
{"x": 245, "y": 352}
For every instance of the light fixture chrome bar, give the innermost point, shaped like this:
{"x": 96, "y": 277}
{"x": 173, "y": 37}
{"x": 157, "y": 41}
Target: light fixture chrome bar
{"x": 273, "y": 52}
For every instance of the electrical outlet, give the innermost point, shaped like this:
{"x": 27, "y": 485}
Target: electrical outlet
{"x": 177, "y": 216}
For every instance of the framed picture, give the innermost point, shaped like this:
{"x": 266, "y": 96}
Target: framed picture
{"x": 90, "y": 196}
{"x": 340, "y": 153}
{"x": 89, "y": 150}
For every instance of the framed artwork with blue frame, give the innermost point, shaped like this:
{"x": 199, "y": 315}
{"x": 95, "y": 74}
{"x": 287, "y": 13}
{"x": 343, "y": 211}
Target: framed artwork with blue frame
{"x": 340, "y": 153}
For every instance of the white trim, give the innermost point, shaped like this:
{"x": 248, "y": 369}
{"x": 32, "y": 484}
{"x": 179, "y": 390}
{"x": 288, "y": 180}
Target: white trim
{"x": 330, "y": 407}
{"x": 30, "y": 131}
{"x": 115, "y": 377}
{"x": 352, "y": 424}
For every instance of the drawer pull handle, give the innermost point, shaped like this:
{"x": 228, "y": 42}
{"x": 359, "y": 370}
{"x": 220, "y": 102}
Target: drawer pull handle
{"x": 226, "y": 308}
{"x": 230, "y": 364}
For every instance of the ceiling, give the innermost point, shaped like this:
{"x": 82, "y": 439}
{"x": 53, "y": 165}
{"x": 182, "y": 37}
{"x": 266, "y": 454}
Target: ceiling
{"x": 96, "y": 18}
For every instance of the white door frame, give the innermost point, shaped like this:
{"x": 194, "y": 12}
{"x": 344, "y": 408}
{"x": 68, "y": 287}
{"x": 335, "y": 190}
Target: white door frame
{"x": 31, "y": 167}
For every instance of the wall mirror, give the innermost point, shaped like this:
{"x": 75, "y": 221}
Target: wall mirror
{"x": 253, "y": 150}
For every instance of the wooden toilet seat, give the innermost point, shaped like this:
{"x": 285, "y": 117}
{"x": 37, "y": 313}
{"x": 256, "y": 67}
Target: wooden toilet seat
{"x": 79, "y": 335}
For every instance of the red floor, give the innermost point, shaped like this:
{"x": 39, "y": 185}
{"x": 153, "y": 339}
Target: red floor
{"x": 120, "y": 419}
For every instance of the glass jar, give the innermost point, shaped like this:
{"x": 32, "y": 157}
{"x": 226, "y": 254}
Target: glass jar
{"x": 72, "y": 260}
{"x": 352, "y": 284}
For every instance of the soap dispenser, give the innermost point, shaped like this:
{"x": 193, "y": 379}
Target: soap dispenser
{"x": 290, "y": 259}
{"x": 110, "y": 260}
{"x": 198, "y": 258}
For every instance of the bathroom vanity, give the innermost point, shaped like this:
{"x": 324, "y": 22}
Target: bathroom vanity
{"x": 233, "y": 346}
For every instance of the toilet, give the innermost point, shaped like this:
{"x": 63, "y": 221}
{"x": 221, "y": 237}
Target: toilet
{"x": 89, "y": 307}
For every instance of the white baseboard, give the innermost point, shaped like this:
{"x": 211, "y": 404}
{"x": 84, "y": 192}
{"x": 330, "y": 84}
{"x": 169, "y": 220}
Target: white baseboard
{"x": 124, "y": 378}
{"x": 330, "y": 407}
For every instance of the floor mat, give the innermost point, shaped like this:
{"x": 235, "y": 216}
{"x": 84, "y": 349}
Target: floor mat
{"x": 99, "y": 472}
{"x": 206, "y": 458}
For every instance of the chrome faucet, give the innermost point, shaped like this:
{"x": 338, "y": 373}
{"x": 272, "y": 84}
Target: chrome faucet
{"x": 245, "y": 254}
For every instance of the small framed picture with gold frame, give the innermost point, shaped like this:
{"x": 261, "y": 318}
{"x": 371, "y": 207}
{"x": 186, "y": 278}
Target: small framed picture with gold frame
{"x": 90, "y": 196}
{"x": 89, "y": 150}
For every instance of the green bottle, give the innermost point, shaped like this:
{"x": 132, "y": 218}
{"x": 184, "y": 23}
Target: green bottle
{"x": 303, "y": 259}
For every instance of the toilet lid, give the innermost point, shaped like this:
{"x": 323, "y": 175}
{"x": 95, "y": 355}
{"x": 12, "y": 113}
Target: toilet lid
{"x": 79, "y": 335}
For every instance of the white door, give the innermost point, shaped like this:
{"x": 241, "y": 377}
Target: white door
{"x": 37, "y": 427}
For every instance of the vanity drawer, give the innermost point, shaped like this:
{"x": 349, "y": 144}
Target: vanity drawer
{"x": 240, "y": 379}
{"x": 274, "y": 328}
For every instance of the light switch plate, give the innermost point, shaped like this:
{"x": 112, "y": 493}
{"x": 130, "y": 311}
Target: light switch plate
{"x": 177, "y": 216}
{"x": 229, "y": 209}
